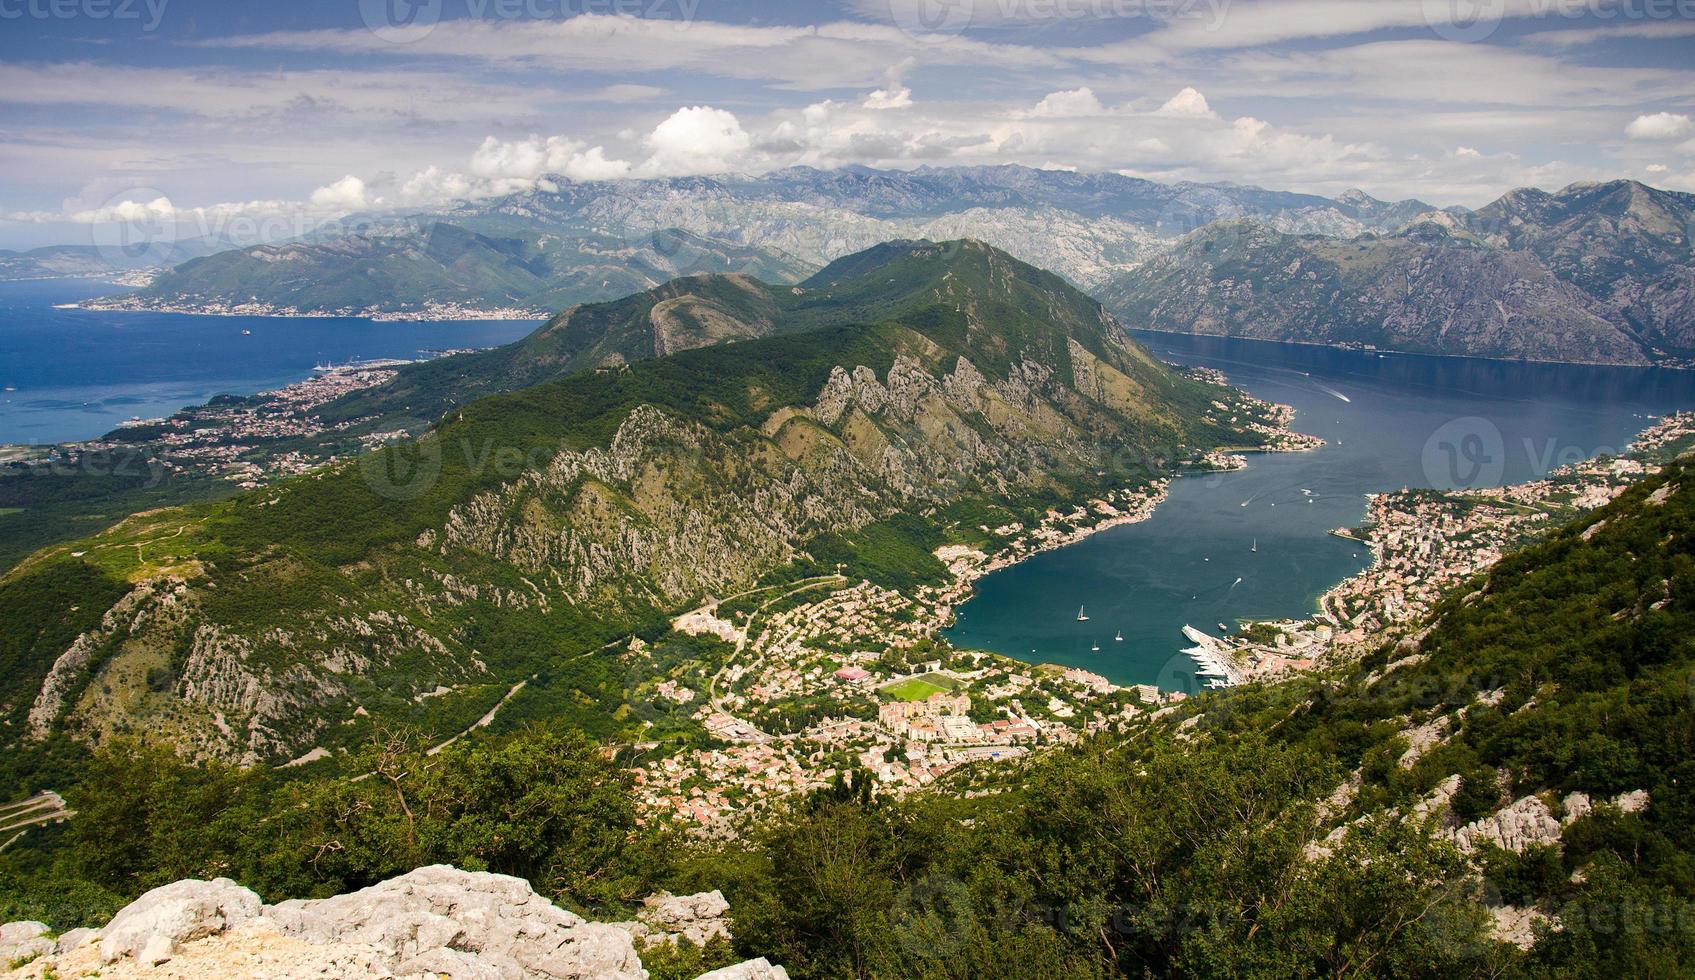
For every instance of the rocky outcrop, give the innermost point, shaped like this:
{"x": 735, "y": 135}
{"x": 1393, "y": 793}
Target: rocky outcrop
{"x": 434, "y": 921}
{"x": 442, "y": 920}
{"x": 668, "y": 919}
{"x": 437, "y": 921}
{"x": 151, "y": 928}
{"x": 1526, "y": 823}
{"x": 22, "y": 941}
{"x": 759, "y": 969}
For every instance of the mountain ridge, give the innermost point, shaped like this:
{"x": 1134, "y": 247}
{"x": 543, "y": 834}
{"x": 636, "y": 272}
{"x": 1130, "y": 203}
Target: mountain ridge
{"x": 1597, "y": 273}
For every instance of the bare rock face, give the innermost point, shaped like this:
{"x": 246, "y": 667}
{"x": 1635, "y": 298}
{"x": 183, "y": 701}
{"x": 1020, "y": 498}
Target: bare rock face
{"x": 150, "y": 928}
{"x": 1525, "y": 823}
{"x": 436, "y": 921}
{"x": 667, "y": 918}
{"x": 23, "y": 941}
{"x": 442, "y": 920}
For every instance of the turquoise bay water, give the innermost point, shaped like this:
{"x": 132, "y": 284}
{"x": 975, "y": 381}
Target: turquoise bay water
{"x": 78, "y": 373}
{"x": 1389, "y": 421}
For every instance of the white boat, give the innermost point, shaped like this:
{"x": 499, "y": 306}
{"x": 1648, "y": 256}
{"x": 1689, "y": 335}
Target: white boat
{"x": 1255, "y": 548}
{"x": 1118, "y": 637}
{"x": 1080, "y": 617}
{"x": 1096, "y": 648}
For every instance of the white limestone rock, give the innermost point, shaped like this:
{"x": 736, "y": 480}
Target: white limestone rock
{"x": 698, "y": 918}
{"x": 1527, "y": 822}
{"x": 759, "y": 969}
{"x": 471, "y": 925}
{"x": 24, "y": 940}
{"x": 149, "y": 928}
{"x": 75, "y": 939}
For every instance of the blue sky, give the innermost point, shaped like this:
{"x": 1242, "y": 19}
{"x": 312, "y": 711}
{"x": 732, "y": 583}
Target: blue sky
{"x": 243, "y": 111}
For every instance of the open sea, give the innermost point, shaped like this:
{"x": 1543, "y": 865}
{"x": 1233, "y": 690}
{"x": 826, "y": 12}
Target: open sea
{"x": 78, "y": 373}
{"x": 1390, "y": 421}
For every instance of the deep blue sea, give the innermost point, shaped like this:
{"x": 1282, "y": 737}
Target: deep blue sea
{"x": 78, "y": 373}
{"x": 1390, "y": 421}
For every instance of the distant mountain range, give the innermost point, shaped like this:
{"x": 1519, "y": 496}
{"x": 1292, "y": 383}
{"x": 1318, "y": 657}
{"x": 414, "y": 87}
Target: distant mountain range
{"x": 1599, "y": 273}
{"x": 1594, "y": 273}
{"x": 91, "y": 261}
{"x": 572, "y": 242}
{"x": 447, "y": 265}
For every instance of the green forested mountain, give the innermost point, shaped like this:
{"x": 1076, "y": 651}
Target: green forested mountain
{"x": 527, "y": 528}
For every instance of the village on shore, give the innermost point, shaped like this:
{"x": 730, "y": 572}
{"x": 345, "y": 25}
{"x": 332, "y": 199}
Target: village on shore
{"x": 885, "y": 695}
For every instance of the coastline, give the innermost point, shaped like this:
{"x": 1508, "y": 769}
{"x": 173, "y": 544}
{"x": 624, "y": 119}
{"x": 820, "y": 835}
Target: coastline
{"x": 1669, "y": 366}
{"x": 429, "y": 313}
{"x": 1425, "y": 542}
{"x": 1129, "y": 505}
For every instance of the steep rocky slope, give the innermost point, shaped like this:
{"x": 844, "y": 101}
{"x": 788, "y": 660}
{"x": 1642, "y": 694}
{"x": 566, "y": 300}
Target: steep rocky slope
{"x": 1595, "y": 273}
{"x": 526, "y": 529}
{"x": 1423, "y": 291}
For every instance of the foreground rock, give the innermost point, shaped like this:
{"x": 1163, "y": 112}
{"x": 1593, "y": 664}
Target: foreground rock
{"x": 436, "y": 921}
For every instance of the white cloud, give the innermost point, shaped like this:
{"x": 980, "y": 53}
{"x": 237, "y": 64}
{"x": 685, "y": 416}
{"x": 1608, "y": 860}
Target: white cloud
{"x": 346, "y": 194}
{"x": 883, "y": 98}
{"x": 1188, "y": 102}
{"x": 534, "y": 157}
{"x": 1658, "y": 126}
{"x": 696, "y": 140}
{"x": 894, "y": 94}
{"x": 592, "y": 164}
{"x": 1466, "y": 152}
{"x": 1071, "y": 102}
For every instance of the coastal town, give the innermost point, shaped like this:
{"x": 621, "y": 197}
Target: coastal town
{"x": 232, "y": 438}
{"x": 885, "y": 695}
{"x": 832, "y": 677}
{"x": 427, "y": 312}
{"x": 1426, "y": 543}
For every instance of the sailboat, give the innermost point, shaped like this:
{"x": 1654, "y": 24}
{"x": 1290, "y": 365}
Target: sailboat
{"x": 1255, "y": 548}
{"x": 1118, "y": 637}
{"x": 1096, "y": 648}
{"x": 1080, "y": 617}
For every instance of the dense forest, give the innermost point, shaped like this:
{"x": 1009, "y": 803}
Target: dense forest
{"x": 1202, "y": 845}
